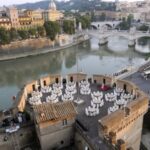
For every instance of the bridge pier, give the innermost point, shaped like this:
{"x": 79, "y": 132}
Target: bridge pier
{"x": 131, "y": 43}
{"x": 103, "y": 41}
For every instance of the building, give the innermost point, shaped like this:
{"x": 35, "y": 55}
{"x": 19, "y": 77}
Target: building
{"x": 5, "y": 22}
{"x": 52, "y": 14}
{"x": 109, "y": 15}
{"x": 55, "y": 124}
{"x": 139, "y": 9}
{"x": 12, "y": 13}
{"x": 25, "y": 22}
{"x": 30, "y": 18}
{"x": 36, "y": 17}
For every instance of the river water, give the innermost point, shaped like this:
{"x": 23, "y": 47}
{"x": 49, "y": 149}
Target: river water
{"x": 90, "y": 58}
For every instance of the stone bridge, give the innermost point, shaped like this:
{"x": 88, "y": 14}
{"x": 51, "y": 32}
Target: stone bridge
{"x": 108, "y": 24}
{"x": 130, "y": 35}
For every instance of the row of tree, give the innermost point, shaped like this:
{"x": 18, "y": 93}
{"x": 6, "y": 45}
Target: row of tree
{"x": 49, "y": 29}
{"x": 6, "y": 36}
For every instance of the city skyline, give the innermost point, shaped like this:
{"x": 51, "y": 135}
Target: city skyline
{"x": 10, "y": 2}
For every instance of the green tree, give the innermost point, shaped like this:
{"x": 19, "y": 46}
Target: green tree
{"x": 32, "y": 31}
{"x": 4, "y": 36}
{"x": 144, "y": 28}
{"x": 13, "y": 34}
{"x": 124, "y": 25}
{"x": 24, "y": 34}
{"x": 85, "y": 20}
{"x": 130, "y": 19}
{"x": 52, "y": 29}
{"x": 41, "y": 31}
{"x": 102, "y": 17}
{"x": 68, "y": 26}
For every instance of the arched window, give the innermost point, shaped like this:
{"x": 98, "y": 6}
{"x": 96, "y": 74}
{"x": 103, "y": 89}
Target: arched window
{"x": 33, "y": 87}
{"x": 71, "y": 79}
{"x": 57, "y": 80}
{"x": 44, "y": 82}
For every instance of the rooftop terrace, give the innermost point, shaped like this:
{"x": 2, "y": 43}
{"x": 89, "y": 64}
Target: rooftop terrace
{"x": 82, "y": 95}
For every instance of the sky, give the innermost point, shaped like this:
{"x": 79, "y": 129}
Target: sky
{"x": 10, "y": 2}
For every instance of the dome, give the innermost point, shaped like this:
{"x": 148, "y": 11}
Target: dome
{"x": 52, "y": 5}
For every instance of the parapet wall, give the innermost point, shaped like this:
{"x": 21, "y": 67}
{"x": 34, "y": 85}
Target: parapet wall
{"x": 20, "y": 103}
{"x": 50, "y": 79}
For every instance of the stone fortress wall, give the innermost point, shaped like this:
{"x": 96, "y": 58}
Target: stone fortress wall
{"x": 121, "y": 129}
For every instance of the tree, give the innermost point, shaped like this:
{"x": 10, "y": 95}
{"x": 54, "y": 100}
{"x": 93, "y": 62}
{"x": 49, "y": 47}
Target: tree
{"x": 32, "y": 31}
{"x": 124, "y": 25}
{"x": 13, "y": 34}
{"x": 24, "y": 34}
{"x": 52, "y": 29}
{"x": 41, "y": 31}
{"x": 68, "y": 26}
{"x": 102, "y": 17}
{"x": 130, "y": 19}
{"x": 144, "y": 28}
{"x": 4, "y": 36}
{"x": 85, "y": 20}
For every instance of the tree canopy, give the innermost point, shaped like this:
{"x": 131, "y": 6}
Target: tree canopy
{"x": 52, "y": 29}
{"x": 126, "y": 23}
{"x": 85, "y": 21}
{"x": 4, "y": 36}
{"x": 68, "y": 26}
{"x": 144, "y": 28}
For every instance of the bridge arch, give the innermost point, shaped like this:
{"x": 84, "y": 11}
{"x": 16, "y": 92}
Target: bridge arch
{"x": 142, "y": 36}
{"x": 94, "y": 27}
{"x": 110, "y": 24}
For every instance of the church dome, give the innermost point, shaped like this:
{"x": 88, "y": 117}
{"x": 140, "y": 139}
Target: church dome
{"x": 52, "y": 5}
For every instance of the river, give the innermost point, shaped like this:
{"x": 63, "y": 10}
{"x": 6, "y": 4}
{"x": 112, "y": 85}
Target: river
{"x": 90, "y": 58}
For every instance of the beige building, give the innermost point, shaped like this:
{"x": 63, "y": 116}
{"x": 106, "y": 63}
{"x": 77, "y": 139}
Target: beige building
{"x": 30, "y": 18}
{"x": 12, "y": 13}
{"x": 5, "y": 22}
{"x": 55, "y": 124}
{"x": 109, "y": 14}
{"x": 52, "y": 14}
{"x": 36, "y": 17}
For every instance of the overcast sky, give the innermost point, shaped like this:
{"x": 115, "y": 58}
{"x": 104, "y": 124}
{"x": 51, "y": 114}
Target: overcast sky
{"x": 10, "y": 2}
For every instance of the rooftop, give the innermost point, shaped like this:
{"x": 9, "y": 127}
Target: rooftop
{"x": 53, "y": 111}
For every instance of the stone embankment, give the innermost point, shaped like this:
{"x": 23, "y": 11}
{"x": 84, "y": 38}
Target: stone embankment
{"x": 33, "y": 47}
{"x": 31, "y": 43}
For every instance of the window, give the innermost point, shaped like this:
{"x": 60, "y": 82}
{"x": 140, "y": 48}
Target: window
{"x": 33, "y": 87}
{"x": 64, "y": 122}
{"x": 104, "y": 81}
{"x": 57, "y": 80}
{"x": 44, "y": 82}
{"x": 71, "y": 79}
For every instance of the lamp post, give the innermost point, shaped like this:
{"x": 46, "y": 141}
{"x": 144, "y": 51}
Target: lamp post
{"x": 78, "y": 100}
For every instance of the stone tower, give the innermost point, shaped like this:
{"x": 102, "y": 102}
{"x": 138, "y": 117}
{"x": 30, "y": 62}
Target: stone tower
{"x": 12, "y": 13}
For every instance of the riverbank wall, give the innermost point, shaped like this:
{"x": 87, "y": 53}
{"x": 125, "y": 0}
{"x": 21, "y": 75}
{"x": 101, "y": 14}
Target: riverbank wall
{"x": 31, "y": 47}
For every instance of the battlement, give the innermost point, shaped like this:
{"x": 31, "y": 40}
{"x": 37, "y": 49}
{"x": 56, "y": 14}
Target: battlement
{"x": 125, "y": 124}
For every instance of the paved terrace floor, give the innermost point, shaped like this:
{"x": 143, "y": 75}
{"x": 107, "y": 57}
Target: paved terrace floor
{"x": 91, "y": 123}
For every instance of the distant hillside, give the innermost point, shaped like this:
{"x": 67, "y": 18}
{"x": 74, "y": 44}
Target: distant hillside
{"x": 81, "y": 5}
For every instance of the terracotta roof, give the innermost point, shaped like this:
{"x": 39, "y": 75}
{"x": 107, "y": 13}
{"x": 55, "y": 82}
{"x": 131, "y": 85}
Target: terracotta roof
{"x": 51, "y": 112}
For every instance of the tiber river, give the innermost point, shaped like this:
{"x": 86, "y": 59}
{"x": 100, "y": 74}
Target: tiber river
{"x": 91, "y": 59}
